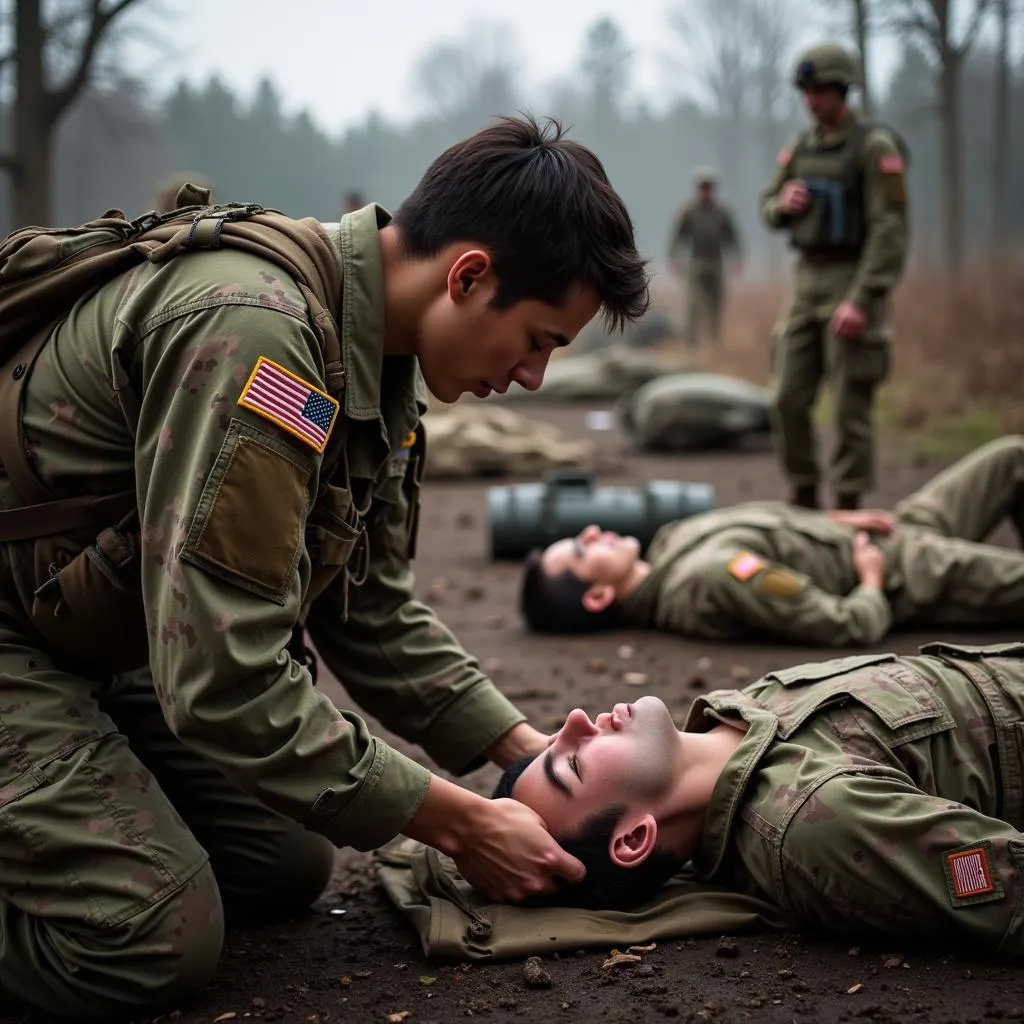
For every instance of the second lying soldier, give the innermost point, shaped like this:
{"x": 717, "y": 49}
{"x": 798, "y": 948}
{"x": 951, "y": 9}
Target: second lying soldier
{"x": 829, "y": 579}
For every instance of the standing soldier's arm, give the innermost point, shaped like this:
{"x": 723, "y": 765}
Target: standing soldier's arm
{"x": 885, "y": 211}
{"x": 731, "y": 239}
{"x": 682, "y": 232}
{"x": 771, "y": 598}
{"x": 872, "y": 852}
{"x": 771, "y": 209}
{"x": 394, "y": 656}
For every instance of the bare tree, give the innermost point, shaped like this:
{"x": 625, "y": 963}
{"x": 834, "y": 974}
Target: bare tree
{"x": 473, "y": 78}
{"x": 55, "y": 60}
{"x": 1001, "y": 127}
{"x": 947, "y": 33}
{"x": 855, "y": 21}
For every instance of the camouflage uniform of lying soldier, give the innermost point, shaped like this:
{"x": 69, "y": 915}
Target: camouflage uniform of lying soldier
{"x": 868, "y": 794}
{"x": 841, "y": 578}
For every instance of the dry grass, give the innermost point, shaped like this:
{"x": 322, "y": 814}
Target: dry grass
{"x": 958, "y": 353}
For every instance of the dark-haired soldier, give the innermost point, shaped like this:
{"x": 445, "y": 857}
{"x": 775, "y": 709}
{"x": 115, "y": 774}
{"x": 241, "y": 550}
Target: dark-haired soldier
{"x": 875, "y": 794}
{"x": 213, "y": 775}
{"x": 841, "y": 578}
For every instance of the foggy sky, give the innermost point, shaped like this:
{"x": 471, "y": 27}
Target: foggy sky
{"x": 343, "y": 58}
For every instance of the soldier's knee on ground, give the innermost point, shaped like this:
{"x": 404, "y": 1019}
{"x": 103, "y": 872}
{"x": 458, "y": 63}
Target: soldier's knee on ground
{"x": 283, "y": 884}
{"x": 155, "y": 961}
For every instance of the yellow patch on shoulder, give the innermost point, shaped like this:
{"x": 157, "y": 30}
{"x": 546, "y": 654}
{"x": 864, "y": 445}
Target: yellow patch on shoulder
{"x": 410, "y": 439}
{"x": 779, "y": 583}
{"x": 745, "y": 565}
{"x": 296, "y": 406}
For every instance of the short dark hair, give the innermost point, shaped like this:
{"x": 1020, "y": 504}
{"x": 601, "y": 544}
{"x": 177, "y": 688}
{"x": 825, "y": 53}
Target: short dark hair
{"x": 545, "y": 209}
{"x": 607, "y": 886}
{"x": 553, "y": 602}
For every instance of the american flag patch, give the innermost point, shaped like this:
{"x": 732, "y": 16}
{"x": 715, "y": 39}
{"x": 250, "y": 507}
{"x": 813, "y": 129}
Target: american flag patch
{"x": 970, "y": 872}
{"x": 891, "y": 163}
{"x": 745, "y": 565}
{"x": 294, "y": 405}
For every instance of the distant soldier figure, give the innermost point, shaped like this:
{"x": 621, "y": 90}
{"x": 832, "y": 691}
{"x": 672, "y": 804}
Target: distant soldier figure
{"x": 353, "y": 201}
{"x": 165, "y": 196}
{"x": 840, "y": 192}
{"x": 707, "y": 228}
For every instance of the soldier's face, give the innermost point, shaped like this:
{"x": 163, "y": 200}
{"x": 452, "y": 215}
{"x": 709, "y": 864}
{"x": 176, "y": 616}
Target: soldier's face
{"x": 629, "y": 757}
{"x": 594, "y": 556}
{"x": 825, "y": 103}
{"x": 465, "y": 345}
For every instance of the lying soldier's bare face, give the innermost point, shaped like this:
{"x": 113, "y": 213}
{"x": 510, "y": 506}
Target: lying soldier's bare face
{"x": 594, "y": 555}
{"x": 629, "y": 757}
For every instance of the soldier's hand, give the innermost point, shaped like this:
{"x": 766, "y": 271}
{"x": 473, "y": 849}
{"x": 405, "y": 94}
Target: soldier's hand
{"x": 513, "y": 856}
{"x": 848, "y": 321}
{"x": 520, "y": 741}
{"x": 869, "y": 561}
{"x": 794, "y": 198}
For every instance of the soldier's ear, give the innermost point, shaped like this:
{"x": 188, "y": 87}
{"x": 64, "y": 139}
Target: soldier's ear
{"x": 471, "y": 267}
{"x": 598, "y": 597}
{"x": 633, "y": 841}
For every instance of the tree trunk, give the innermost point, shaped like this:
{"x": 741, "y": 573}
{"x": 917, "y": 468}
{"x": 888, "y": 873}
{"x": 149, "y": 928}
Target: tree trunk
{"x": 952, "y": 174}
{"x": 860, "y": 31}
{"x": 1001, "y": 132}
{"x": 30, "y": 193}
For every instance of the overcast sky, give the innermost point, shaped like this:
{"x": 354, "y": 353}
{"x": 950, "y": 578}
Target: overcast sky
{"x": 343, "y": 58}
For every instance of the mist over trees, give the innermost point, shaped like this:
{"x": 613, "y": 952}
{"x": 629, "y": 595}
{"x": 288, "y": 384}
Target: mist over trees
{"x": 956, "y": 95}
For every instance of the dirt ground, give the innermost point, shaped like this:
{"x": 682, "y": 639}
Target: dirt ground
{"x": 366, "y": 964}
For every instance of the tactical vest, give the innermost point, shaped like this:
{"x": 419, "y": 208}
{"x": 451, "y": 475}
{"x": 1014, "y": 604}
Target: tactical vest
{"x": 87, "y": 602}
{"x": 836, "y": 223}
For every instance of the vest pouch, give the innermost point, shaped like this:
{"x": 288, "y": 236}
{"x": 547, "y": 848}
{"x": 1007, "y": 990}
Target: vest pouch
{"x": 89, "y": 603}
{"x": 334, "y": 530}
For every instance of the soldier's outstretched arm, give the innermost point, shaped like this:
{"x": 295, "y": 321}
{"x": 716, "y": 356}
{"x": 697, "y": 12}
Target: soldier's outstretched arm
{"x": 770, "y": 205}
{"x": 871, "y": 852}
{"x": 885, "y": 210}
{"x": 394, "y": 656}
{"x": 682, "y": 231}
{"x": 771, "y": 598}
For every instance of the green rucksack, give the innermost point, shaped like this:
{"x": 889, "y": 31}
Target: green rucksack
{"x": 45, "y": 271}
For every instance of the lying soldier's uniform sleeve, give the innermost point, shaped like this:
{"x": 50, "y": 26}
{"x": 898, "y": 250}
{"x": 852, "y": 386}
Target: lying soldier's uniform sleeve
{"x": 228, "y": 457}
{"x": 871, "y": 852}
{"x": 772, "y": 598}
{"x": 394, "y": 656}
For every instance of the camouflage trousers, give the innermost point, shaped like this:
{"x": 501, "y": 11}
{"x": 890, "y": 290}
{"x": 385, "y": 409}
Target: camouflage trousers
{"x": 121, "y": 852}
{"x": 805, "y": 353}
{"x": 705, "y": 294}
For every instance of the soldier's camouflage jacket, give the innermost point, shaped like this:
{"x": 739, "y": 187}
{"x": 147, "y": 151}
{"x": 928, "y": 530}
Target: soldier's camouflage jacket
{"x": 201, "y": 383}
{"x": 771, "y": 569}
{"x": 878, "y": 793}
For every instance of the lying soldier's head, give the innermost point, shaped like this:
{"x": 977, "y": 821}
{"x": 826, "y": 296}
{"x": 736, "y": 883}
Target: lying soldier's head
{"x": 576, "y": 585}
{"x": 610, "y": 791}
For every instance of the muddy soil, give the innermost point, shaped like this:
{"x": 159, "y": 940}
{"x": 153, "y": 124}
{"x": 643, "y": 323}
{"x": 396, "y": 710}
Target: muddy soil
{"x": 366, "y": 964}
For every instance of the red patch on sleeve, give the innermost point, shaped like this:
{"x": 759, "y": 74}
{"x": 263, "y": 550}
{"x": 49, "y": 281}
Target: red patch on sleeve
{"x": 970, "y": 872}
{"x": 745, "y": 565}
{"x": 783, "y": 157}
{"x": 891, "y": 163}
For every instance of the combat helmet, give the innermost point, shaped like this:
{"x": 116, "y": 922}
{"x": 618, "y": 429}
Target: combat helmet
{"x": 826, "y": 64}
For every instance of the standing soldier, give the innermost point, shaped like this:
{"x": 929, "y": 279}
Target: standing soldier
{"x": 708, "y": 228}
{"x": 840, "y": 192}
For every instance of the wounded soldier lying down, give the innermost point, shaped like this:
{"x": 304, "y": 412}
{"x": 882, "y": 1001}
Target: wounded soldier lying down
{"x": 868, "y": 793}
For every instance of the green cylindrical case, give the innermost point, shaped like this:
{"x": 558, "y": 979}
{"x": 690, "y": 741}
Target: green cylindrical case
{"x": 526, "y": 516}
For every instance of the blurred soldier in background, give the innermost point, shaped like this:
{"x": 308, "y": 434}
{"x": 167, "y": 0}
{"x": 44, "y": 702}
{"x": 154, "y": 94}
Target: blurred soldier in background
{"x": 165, "y": 196}
{"x": 708, "y": 229}
{"x": 840, "y": 192}
{"x": 353, "y": 201}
